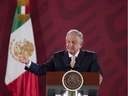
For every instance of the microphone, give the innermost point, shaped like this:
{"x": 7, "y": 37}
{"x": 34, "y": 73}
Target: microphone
{"x": 68, "y": 65}
{"x": 77, "y": 64}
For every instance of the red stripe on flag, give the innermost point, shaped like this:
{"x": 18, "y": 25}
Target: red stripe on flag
{"x": 24, "y": 85}
{"x": 27, "y": 8}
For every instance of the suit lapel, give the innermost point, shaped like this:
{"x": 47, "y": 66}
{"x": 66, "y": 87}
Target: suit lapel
{"x": 80, "y": 56}
{"x": 65, "y": 57}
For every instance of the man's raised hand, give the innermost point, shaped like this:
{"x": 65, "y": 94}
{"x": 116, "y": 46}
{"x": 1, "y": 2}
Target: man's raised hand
{"x": 23, "y": 58}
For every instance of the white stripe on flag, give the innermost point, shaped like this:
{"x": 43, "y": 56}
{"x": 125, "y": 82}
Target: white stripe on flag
{"x": 22, "y": 9}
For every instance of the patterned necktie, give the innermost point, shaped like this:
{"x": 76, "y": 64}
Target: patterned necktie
{"x": 73, "y": 61}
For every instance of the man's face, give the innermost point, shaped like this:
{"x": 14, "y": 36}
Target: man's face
{"x": 73, "y": 44}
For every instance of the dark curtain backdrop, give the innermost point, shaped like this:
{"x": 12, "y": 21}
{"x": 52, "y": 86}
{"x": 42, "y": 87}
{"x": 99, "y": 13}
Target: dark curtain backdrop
{"x": 102, "y": 22}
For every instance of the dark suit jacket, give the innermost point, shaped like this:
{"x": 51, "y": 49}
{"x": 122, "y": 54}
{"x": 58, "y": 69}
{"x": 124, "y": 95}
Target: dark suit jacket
{"x": 88, "y": 62}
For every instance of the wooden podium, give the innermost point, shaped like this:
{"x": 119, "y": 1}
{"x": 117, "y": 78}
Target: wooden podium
{"x": 90, "y": 83}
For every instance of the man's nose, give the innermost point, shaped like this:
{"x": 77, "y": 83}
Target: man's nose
{"x": 70, "y": 44}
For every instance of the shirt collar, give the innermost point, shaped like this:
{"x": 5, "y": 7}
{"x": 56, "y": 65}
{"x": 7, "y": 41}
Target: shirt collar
{"x": 75, "y": 54}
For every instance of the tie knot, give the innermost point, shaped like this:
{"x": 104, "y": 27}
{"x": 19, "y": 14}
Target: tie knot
{"x": 73, "y": 57}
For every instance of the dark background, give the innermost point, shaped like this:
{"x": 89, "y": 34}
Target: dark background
{"x": 102, "y": 22}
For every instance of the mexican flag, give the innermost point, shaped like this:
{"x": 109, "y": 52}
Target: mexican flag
{"x": 19, "y": 81}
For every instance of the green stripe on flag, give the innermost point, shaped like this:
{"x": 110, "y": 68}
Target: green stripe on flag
{"x": 18, "y": 10}
{"x": 17, "y": 24}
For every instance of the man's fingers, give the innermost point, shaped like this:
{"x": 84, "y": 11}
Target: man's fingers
{"x": 19, "y": 56}
{"x": 23, "y": 52}
{"x": 100, "y": 79}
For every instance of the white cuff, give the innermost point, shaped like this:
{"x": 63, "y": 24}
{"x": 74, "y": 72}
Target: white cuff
{"x": 28, "y": 65}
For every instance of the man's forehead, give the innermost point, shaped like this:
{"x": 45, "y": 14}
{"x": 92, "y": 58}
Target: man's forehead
{"x": 72, "y": 36}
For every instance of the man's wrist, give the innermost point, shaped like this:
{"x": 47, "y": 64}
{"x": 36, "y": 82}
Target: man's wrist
{"x": 27, "y": 62}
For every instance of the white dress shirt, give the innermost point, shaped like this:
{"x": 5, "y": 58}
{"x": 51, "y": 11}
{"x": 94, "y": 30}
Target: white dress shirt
{"x": 76, "y": 55}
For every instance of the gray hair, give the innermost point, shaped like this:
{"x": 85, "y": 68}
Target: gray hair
{"x": 75, "y": 32}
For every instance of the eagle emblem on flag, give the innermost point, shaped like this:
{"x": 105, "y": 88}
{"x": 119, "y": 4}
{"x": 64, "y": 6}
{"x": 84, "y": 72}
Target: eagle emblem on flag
{"x": 16, "y": 48}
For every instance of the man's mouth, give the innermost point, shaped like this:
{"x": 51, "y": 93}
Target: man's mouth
{"x": 70, "y": 48}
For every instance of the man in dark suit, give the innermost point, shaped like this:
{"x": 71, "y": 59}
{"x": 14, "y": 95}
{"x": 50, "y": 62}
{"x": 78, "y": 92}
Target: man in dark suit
{"x": 86, "y": 61}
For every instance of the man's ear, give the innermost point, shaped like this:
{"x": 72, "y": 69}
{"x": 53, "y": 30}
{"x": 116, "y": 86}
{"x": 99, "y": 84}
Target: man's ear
{"x": 81, "y": 44}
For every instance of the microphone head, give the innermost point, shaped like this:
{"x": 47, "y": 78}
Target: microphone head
{"x": 68, "y": 65}
{"x": 69, "y": 60}
{"x": 77, "y": 66}
{"x": 77, "y": 63}
{"x": 76, "y": 59}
